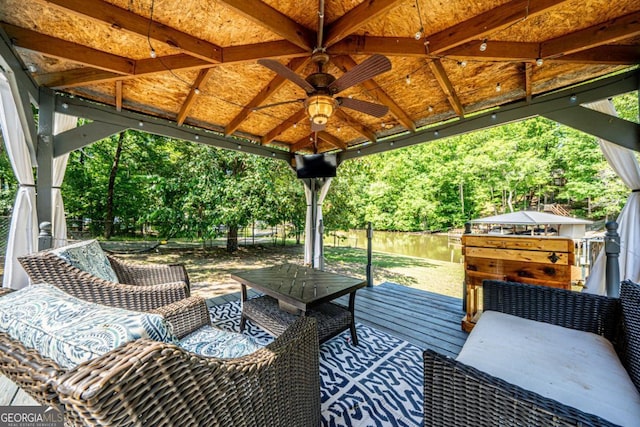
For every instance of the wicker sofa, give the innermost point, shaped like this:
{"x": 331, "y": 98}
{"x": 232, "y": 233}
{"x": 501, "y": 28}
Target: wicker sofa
{"x": 457, "y": 394}
{"x": 146, "y": 382}
{"x": 134, "y": 286}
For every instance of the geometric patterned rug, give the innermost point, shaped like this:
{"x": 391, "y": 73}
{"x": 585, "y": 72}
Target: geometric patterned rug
{"x": 377, "y": 383}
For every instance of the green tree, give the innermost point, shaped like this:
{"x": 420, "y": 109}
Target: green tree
{"x": 88, "y": 176}
{"x": 8, "y": 183}
{"x": 176, "y": 188}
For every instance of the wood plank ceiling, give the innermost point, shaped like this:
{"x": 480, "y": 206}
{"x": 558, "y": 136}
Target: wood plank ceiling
{"x": 195, "y": 62}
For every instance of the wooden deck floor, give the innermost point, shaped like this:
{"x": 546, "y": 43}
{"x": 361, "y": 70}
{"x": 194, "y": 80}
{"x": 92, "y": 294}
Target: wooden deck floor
{"x": 426, "y": 319}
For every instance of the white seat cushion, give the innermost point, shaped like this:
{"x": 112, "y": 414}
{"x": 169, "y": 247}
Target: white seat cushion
{"x": 578, "y": 369}
{"x": 88, "y": 256}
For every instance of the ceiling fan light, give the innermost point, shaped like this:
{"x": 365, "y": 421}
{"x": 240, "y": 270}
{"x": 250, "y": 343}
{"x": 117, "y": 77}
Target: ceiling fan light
{"x": 320, "y": 119}
{"x": 320, "y": 108}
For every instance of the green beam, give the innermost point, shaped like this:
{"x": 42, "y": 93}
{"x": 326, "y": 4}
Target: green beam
{"x": 540, "y": 105}
{"x": 24, "y": 91}
{"x": 82, "y": 136}
{"x": 601, "y": 125}
{"x": 45, "y": 157}
{"x": 129, "y": 120}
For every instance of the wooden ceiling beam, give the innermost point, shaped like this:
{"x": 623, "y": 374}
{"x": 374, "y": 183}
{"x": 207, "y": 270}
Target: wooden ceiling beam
{"x": 86, "y": 76}
{"x": 286, "y": 124}
{"x": 368, "y": 45}
{"x": 201, "y": 80}
{"x": 170, "y": 62}
{"x": 611, "y": 31}
{"x": 62, "y": 49}
{"x": 105, "y": 13}
{"x": 77, "y": 77}
{"x": 332, "y": 139}
{"x": 325, "y": 147}
{"x": 251, "y": 52}
{"x": 496, "y": 51}
{"x": 356, "y": 18}
{"x": 528, "y": 81}
{"x": 272, "y": 87}
{"x": 302, "y": 143}
{"x": 345, "y": 63}
{"x": 447, "y": 87}
{"x": 605, "y": 54}
{"x": 181, "y": 61}
{"x": 274, "y": 21}
{"x": 356, "y": 125}
{"x": 119, "y": 95}
{"x": 486, "y": 23}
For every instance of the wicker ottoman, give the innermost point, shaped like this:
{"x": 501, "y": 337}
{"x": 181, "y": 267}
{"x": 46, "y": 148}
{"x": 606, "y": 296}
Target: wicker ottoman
{"x": 265, "y": 312}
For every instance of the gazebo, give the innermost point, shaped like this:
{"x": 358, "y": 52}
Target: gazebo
{"x": 278, "y": 79}
{"x": 566, "y": 226}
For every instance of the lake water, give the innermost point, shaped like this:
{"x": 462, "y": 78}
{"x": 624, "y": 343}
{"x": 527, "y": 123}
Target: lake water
{"x": 422, "y": 245}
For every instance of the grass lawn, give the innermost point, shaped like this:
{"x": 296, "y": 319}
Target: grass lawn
{"x": 209, "y": 268}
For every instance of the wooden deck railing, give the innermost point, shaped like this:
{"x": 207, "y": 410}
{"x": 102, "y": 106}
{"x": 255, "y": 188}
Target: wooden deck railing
{"x": 556, "y": 210}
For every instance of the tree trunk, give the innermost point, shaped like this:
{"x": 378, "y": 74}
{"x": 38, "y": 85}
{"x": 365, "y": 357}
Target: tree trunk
{"x": 200, "y": 221}
{"x": 510, "y": 201}
{"x": 493, "y": 202}
{"x": 108, "y": 222}
{"x": 284, "y": 234}
{"x": 461, "y": 187}
{"x": 232, "y": 238}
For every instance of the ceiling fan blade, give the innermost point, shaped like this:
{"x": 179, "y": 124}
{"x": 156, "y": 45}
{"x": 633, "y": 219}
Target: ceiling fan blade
{"x": 367, "y": 69}
{"x": 287, "y": 73}
{"x": 376, "y": 110}
{"x": 276, "y": 104}
{"x": 316, "y": 127}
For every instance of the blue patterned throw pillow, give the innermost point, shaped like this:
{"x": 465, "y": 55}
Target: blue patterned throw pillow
{"x": 70, "y": 330}
{"x": 88, "y": 256}
{"x": 210, "y": 341}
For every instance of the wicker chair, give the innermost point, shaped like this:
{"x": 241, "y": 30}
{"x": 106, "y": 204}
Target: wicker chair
{"x": 140, "y": 287}
{"x": 151, "y": 383}
{"x": 460, "y": 395}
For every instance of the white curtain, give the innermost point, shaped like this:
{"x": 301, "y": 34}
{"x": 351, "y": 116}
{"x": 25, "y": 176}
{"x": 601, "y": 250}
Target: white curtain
{"x": 61, "y": 123}
{"x": 322, "y": 194}
{"x": 23, "y": 233}
{"x": 308, "y": 228}
{"x": 308, "y": 224}
{"x": 623, "y": 161}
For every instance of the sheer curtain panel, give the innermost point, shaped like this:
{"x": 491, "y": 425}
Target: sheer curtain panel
{"x": 320, "y": 189}
{"x": 61, "y": 123}
{"x": 624, "y": 162}
{"x": 23, "y": 233}
{"x": 322, "y": 194}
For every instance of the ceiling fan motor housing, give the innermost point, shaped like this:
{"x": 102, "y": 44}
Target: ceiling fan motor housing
{"x": 320, "y": 81}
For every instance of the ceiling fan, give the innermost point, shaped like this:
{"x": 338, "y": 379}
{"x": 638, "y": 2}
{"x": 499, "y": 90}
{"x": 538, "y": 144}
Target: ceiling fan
{"x": 322, "y": 86}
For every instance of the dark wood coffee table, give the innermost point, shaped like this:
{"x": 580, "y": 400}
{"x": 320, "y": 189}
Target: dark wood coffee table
{"x": 292, "y": 290}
